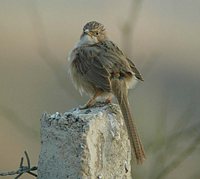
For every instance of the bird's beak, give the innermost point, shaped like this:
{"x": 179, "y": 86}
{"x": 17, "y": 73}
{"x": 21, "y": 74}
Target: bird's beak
{"x": 87, "y": 32}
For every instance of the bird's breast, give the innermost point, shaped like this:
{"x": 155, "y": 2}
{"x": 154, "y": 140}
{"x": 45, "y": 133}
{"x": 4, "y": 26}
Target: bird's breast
{"x": 77, "y": 74}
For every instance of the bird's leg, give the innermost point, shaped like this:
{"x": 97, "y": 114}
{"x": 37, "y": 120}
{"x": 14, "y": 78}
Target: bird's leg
{"x": 108, "y": 100}
{"x": 91, "y": 101}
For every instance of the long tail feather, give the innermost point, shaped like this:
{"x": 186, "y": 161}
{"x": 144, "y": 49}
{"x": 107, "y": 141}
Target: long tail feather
{"x": 120, "y": 91}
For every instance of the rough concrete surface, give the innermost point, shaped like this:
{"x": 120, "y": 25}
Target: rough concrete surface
{"x": 84, "y": 144}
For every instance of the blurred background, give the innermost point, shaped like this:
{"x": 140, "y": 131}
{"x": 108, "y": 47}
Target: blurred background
{"x": 161, "y": 37}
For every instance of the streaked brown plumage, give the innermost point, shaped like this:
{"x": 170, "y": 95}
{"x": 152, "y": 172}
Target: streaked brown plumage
{"x": 99, "y": 68}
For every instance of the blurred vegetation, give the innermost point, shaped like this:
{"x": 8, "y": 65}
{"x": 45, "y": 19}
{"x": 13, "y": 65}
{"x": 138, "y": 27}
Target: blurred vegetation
{"x": 161, "y": 38}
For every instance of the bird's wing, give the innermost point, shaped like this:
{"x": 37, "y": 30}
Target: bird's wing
{"x": 135, "y": 70}
{"x": 101, "y": 62}
{"x": 118, "y": 60}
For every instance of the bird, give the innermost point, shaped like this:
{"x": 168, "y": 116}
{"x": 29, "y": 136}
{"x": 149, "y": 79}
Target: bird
{"x": 99, "y": 68}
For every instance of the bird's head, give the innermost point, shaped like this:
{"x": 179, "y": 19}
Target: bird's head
{"x": 93, "y": 32}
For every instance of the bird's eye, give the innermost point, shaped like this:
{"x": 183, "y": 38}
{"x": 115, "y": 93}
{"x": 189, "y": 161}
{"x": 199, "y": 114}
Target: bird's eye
{"x": 97, "y": 33}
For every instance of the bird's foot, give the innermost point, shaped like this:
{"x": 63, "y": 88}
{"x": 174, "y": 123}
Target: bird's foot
{"x": 89, "y": 104}
{"x": 85, "y": 106}
{"x": 108, "y": 100}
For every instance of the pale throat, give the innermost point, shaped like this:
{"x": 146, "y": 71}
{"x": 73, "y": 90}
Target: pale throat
{"x": 87, "y": 40}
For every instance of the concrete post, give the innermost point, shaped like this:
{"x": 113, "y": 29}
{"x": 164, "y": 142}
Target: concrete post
{"x": 85, "y": 144}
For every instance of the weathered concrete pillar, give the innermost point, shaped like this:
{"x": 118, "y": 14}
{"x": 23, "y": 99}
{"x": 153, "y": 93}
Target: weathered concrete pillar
{"x": 84, "y": 144}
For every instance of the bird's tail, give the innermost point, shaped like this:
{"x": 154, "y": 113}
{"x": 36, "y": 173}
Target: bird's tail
{"x": 120, "y": 91}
